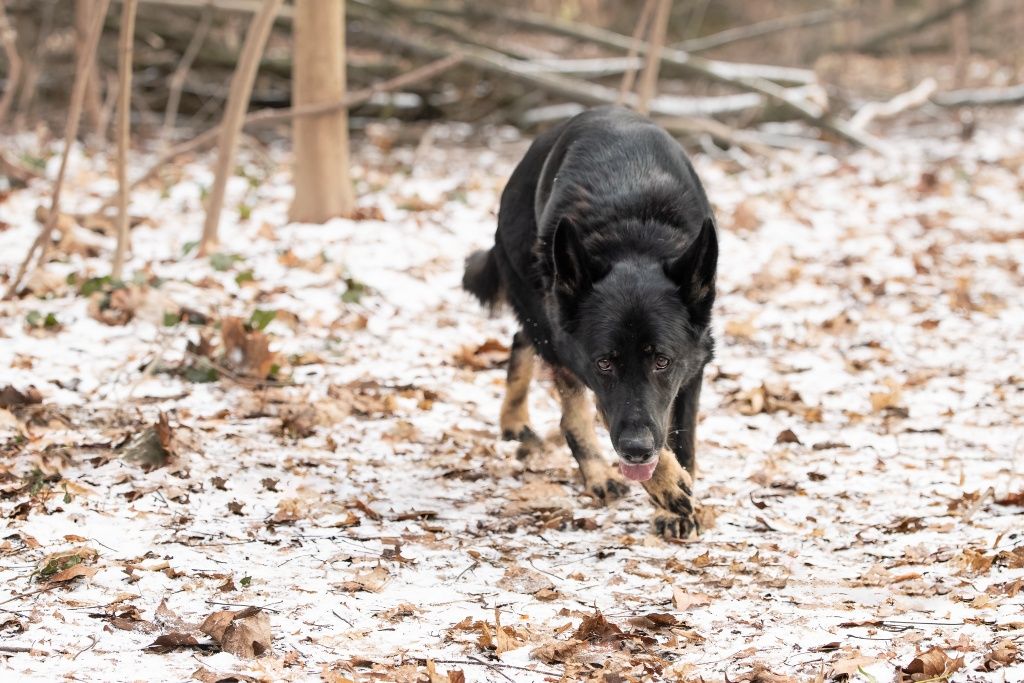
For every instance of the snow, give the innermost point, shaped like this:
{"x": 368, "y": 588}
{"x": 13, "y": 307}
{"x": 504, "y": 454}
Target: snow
{"x": 889, "y": 305}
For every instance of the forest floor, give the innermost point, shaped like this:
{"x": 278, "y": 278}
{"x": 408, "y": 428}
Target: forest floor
{"x": 860, "y": 444}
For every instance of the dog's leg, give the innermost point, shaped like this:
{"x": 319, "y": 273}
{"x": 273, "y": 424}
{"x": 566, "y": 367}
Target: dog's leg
{"x": 515, "y": 409}
{"x": 671, "y": 487}
{"x": 600, "y": 480}
{"x": 683, "y": 437}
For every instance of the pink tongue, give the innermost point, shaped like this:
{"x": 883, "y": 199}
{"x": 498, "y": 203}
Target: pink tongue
{"x": 638, "y": 472}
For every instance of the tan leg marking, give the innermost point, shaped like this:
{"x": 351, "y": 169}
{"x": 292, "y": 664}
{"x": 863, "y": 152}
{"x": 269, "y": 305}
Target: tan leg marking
{"x": 600, "y": 480}
{"x": 515, "y": 409}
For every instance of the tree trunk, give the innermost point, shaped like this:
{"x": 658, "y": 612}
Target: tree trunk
{"x": 93, "y": 102}
{"x": 234, "y": 116}
{"x": 323, "y": 187}
{"x": 124, "y": 110}
{"x": 649, "y": 78}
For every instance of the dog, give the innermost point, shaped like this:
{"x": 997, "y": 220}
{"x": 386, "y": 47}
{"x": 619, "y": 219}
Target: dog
{"x": 607, "y": 252}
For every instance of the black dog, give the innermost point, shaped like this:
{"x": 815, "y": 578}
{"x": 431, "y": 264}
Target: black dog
{"x": 606, "y": 249}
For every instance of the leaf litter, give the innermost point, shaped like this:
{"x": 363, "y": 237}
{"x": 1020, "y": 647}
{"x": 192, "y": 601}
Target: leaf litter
{"x": 283, "y": 461}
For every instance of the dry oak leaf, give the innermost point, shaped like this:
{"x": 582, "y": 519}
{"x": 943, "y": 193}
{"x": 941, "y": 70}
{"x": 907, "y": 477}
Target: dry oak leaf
{"x": 1003, "y": 653}
{"x": 72, "y": 573}
{"x": 524, "y": 581}
{"x": 204, "y": 675}
{"x": 452, "y": 676}
{"x": 245, "y": 633}
{"x": 933, "y": 665}
{"x": 12, "y": 398}
{"x": 154, "y": 447}
{"x": 246, "y": 351}
{"x": 372, "y": 581}
{"x": 683, "y": 601}
{"x": 173, "y": 640}
{"x": 491, "y": 354}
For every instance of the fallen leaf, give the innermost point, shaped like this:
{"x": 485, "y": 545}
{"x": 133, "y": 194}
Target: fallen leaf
{"x": 245, "y": 633}
{"x": 524, "y": 581}
{"x": 932, "y": 665}
{"x": 1002, "y": 653}
{"x": 683, "y": 601}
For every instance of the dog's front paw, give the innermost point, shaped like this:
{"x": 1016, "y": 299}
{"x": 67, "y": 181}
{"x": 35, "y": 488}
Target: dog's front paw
{"x": 606, "y": 488}
{"x": 675, "y": 508}
{"x": 528, "y": 440}
{"x": 671, "y": 525}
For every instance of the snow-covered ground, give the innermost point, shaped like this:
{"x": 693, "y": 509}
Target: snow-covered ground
{"x": 860, "y": 446}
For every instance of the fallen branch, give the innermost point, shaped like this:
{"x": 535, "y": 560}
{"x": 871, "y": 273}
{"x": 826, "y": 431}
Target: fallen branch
{"x": 9, "y": 39}
{"x": 981, "y": 97}
{"x": 897, "y": 105}
{"x": 266, "y": 117}
{"x": 881, "y": 38}
{"x": 124, "y": 108}
{"x": 83, "y": 72}
{"x": 762, "y": 28}
{"x": 234, "y": 116}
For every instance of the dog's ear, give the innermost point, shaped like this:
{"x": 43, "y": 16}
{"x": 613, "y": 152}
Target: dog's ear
{"x": 694, "y": 272}
{"x": 571, "y": 267}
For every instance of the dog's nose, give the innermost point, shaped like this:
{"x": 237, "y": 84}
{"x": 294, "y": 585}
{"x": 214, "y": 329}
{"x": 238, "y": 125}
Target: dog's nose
{"x": 636, "y": 445}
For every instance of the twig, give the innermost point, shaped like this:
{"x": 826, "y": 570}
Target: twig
{"x": 92, "y": 638}
{"x": 762, "y": 28}
{"x": 16, "y": 649}
{"x": 124, "y": 106}
{"x": 265, "y": 117}
{"x": 82, "y": 74}
{"x": 980, "y": 97}
{"x": 234, "y": 116}
{"x": 489, "y": 665}
{"x": 10, "y": 43}
{"x": 498, "y": 665}
{"x": 878, "y": 40}
{"x": 626, "y": 86}
{"x": 177, "y": 80}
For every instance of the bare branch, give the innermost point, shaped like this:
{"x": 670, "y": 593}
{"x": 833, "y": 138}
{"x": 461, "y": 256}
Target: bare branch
{"x": 177, "y": 80}
{"x": 124, "y": 108}
{"x": 234, "y": 115}
{"x": 9, "y": 40}
{"x": 86, "y": 57}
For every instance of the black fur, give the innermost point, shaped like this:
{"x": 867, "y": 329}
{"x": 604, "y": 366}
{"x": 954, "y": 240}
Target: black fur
{"x": 606, "y": 250}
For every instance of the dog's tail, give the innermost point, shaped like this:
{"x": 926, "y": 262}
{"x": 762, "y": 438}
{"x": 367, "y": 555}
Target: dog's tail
{"x": 482, "y": 279}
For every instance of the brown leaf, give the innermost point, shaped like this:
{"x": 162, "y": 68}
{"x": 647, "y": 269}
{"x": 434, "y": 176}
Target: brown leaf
{"x": 491, "y": 354}
{"x": 13, "y": 398}
{"x": 787, "y": 436}
{"x": 933, "y": 664}
{"x": 595, "y": 628}
{"x": 1003, "y": 653}
{"x": 1016, "y": 499}
{"x": 154, "y": 447}
{"x": 72, "y": 573}
{"x": 524, "y": 581}
{"x": 245, "y": 633}
{"x": 204, "y": 675}
{"x": 372, "y": 581}
{"x": 173, "y": 640}
{"x": 557, "y": 651}
{"x": 247, "y": 352}
{"x": 683, "y": 601}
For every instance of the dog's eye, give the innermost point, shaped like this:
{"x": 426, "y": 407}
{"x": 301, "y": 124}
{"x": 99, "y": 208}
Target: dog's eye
{"x": 662, "y": 362}
{"x": 603, "y": 364}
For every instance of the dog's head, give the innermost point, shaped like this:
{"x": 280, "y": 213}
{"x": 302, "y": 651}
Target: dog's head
{"x": 637, "y": 329}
